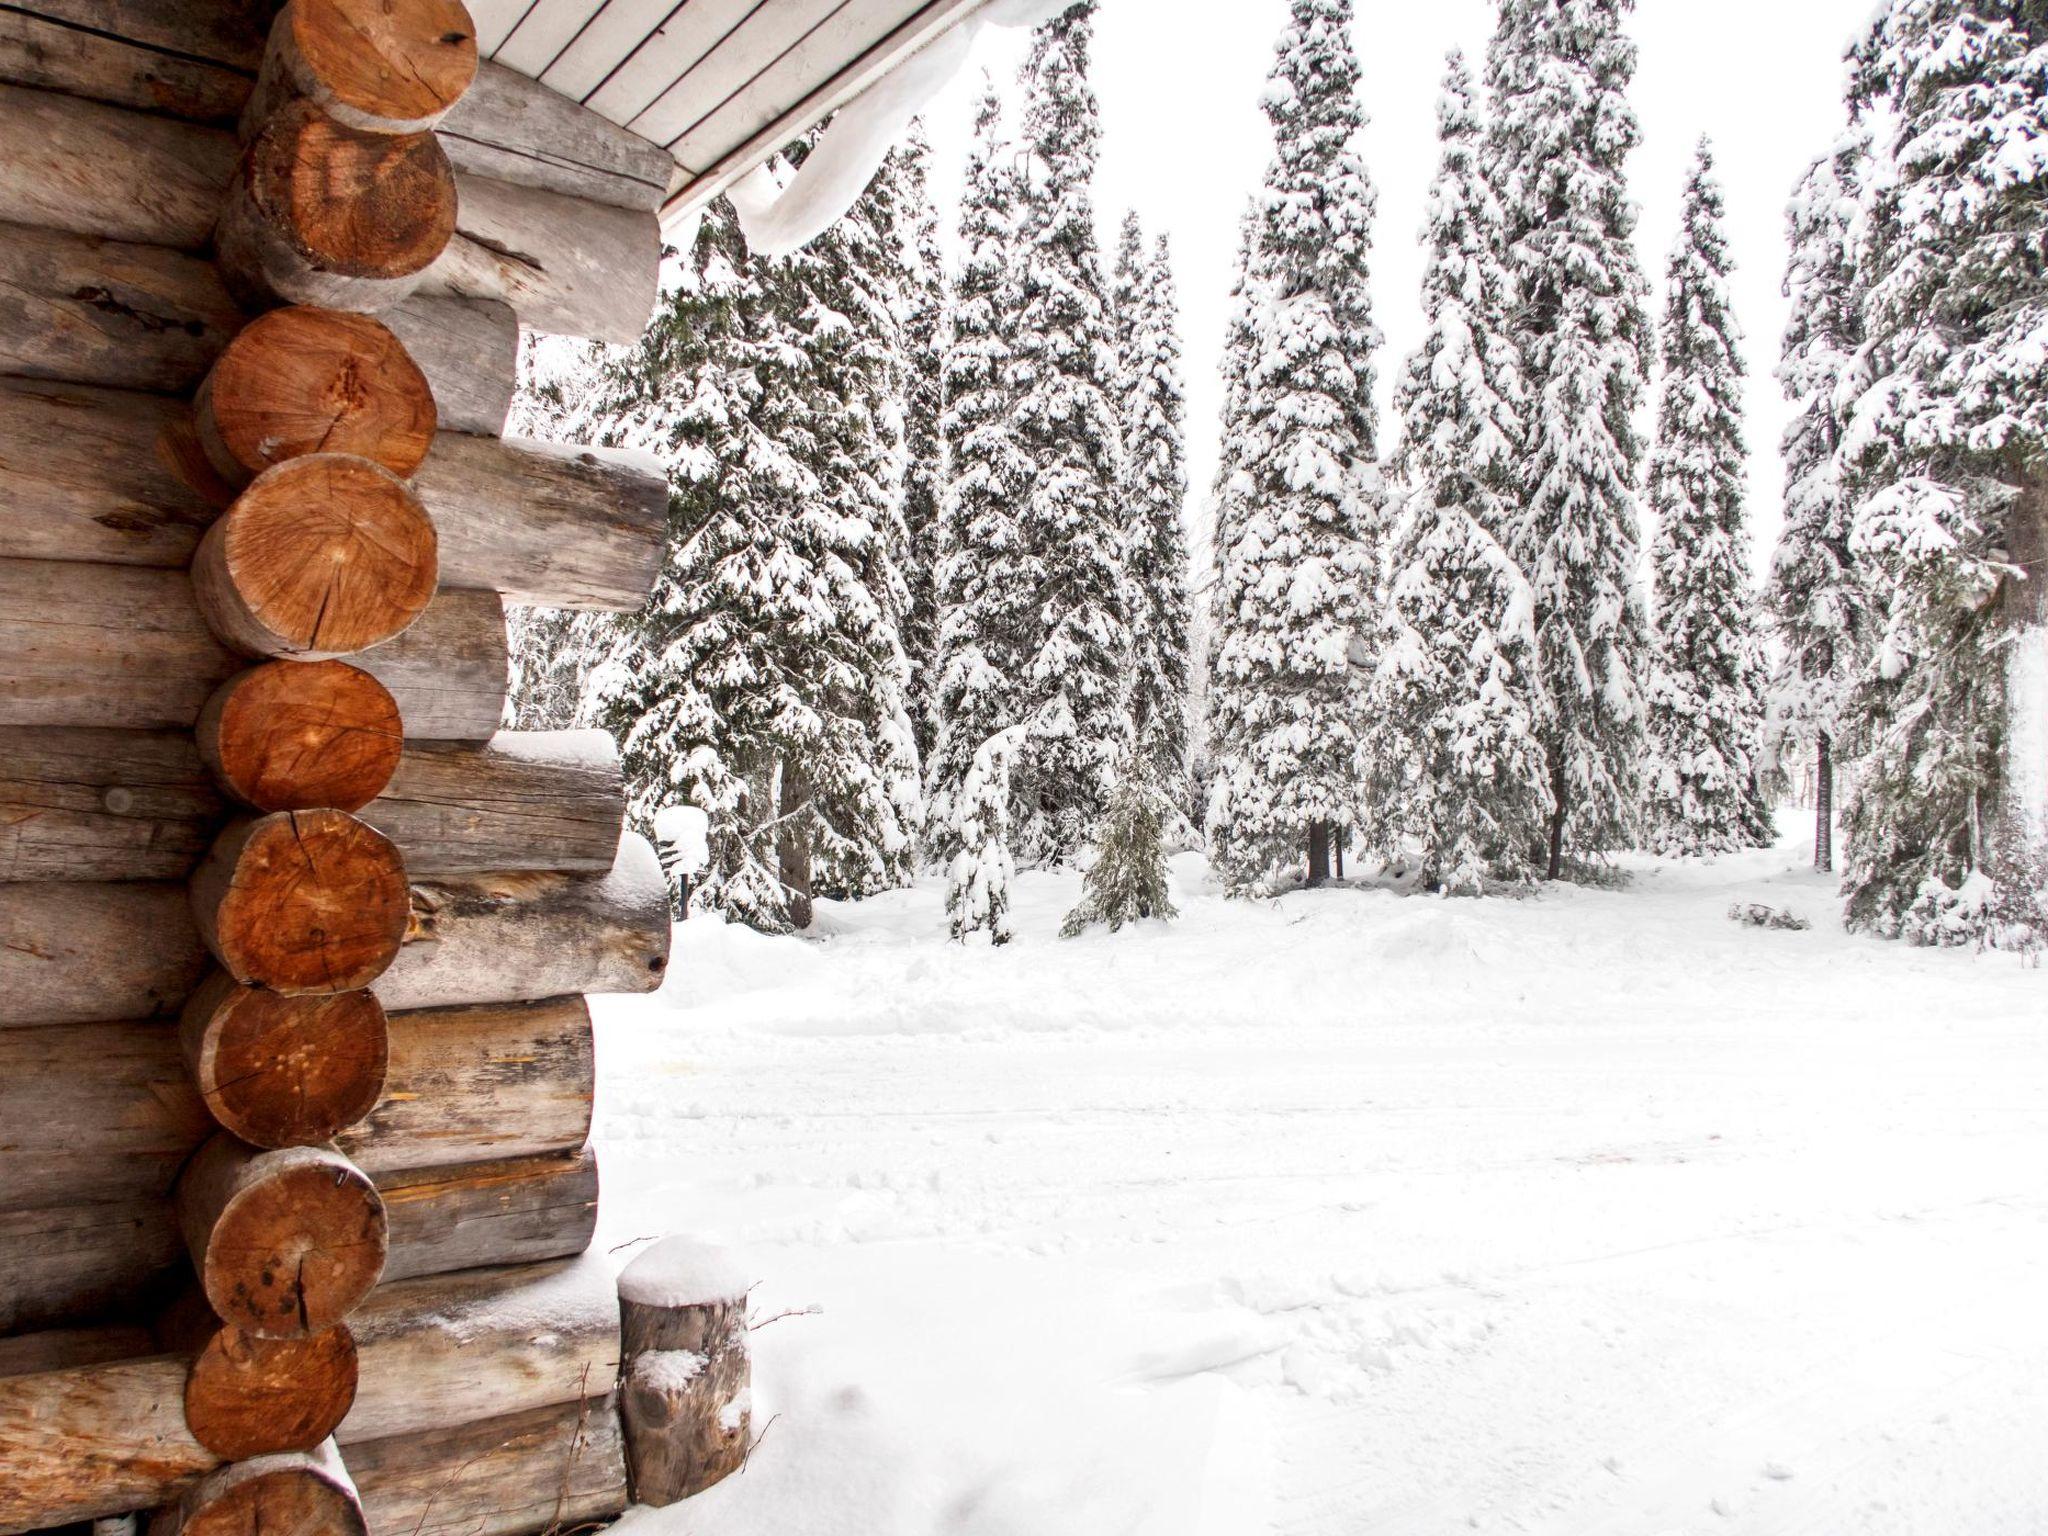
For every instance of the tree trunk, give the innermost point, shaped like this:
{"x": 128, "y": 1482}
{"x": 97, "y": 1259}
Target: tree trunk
{"x": 453, "y": 1349}
{"x": 302, "y": 901}
{"x": 469, "y": 351}
{"x": 282, "y": 1071}
{"x": 560, "y": 1468}
{"x": 301, "y": 380}
{"x": 381, "y": 66}
{"x": 2021, "y": 846}
{"x": 793, "y": 844}
{"x": 302, "y": 1493}
{"x": 1318, "y": 853}
{"x": 75, "y": 953}
{"x": 519, "y": 1211}
{"x": 537, "y": 800}
{"x": 168, "y": 61}
{"x": 510, "y": 128}
{"x": 1824, "y": 804}
{"x": 684, "y": 1395}
{"x": 297, "y": 736}
{"x": 322, "y": 556}
{"x": 1560, "y": 812}
{"x": 285, "y": 1243}
{"x": 106, "y": 645}
{"x": 90, "y": 1440}
{"x": 73, "y": 1263}
{"x": 246, "y": 1395}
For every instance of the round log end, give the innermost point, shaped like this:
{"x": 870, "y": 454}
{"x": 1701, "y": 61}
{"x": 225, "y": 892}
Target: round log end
{"x": 303, "y": 901}
{"x": 383, "y": 61}
{"x": 309, "y": 380}
{"x": 295, "y": 735}
{"x": 283, "y": 1071}
{"x": 351, "y": 203}
{"x": 291, "y": 1494}
{"x": 251, "y": 1396}
{"x": 296, "y": 1246}
{"x": 321, "y": 556}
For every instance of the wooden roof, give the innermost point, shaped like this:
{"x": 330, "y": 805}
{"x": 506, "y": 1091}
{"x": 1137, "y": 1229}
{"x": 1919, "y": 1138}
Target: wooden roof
{"x": 719, "y": 84}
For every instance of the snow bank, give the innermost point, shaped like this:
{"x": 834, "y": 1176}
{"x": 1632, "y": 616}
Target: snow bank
{"x": 682, "y": 1272}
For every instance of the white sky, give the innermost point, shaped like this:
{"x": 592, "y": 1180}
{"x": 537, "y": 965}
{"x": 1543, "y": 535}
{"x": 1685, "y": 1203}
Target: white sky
{"x": 1185, "y": 143}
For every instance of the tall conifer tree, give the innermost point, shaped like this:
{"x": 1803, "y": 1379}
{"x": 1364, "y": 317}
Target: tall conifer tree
{"x": 1706, "y": 693}
{"x": 924, "y": 472}
{"x": 1077, "y": 674}
{"x": 1560, "y": 137}
{"x": 1297, "y": 557}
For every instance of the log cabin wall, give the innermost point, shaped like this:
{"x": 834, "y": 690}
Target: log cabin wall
{"x": 296, "y": 1071}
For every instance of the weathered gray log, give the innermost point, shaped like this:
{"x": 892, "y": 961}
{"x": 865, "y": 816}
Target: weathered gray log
{"x": 305, "y": 1493}
{"x": 79, "y": 309}
{"x": 510, "y": 127}
{"x": 78, "y": 803}
{"x": 60, "y": 1349}
{"x": 469, "y": 351}
{"x": 97, "y": 170}
{"x": 73, "y": 953}
{"x": 685, "y": 1392}
{"x": 74, "y": 1263}
{"x": 569, "y": 267}
{"x": 86, "y": 1440}
{"x": 95, "y": 474}
{"x": 452, "y": 1349}
{"x": 547, "y": 1469}
{"x": 109, "y": 645}
{"x": 468, "y": 1085}
{"x": 519, "y": 1211}
{"x": 188, "y": 58}
{"x": 512, "y": 937}
{"x": 285, "y": 1242}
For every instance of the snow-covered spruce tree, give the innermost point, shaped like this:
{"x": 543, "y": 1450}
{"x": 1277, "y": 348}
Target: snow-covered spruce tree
{"x": 1127, "y": 881}
{"x": 979, "y": 871}
{"x": 1948, "y": 826}
{"x": 764, "y": 682}
{"x": 1077, "y": 675}
{"x": 1707, "y": 686}
{"x": 1817, "y": 601}
{"x": 924, "y": 471}
{"x": 1561, "y": 132}
{"x": 986, "y": 589}
{"x": 1297, "y": 536}
{"x": 1153, "y": 409}
{"x": 1455, "y": 688}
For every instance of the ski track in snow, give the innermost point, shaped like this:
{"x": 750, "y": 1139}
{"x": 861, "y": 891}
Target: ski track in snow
{"x": 1593, "y": 1214}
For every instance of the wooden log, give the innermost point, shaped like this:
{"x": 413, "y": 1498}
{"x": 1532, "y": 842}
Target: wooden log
{"x": 510, "y": 937}
{"x": 546, "y": 1469}
{"x": 512, "y": 128}
{"x": 305, "y": 380}
{"x": 452, "y": 1349}
{"x": 469, "y": 351}
{"x": 294, "y": 735}
{"x": 569, "y": 267}
{"x": 301, "y": 1493}
{"x": 82, "y": 310}
{"x": 685, "y": 1395}
{"x": 552, "y": 800}
{"x": 473, "y": 1084}
{"x": 281, "y": 1071}
{"x": 302, "y": 901}
{"x": 72, "y": 953}
{"x": 285, "y": 1243}
{"x": 322, "y": 556}
{"x": 322, "y": 213}
{"x": 381, "y": 66}
{"x": 59, "y": 1349}
{"x": 518, "y": 1211}
{"x": 549, "y": 525}
{"x": 97, "y": 170}
{"x": 188, "y": 58}
{"x": 105, "y": 645}
{"x": 246, "y": 1395}
{"x": 86, "y": 804}
{"x": 92, "y": 474}
{"x": 86, "y": 1440}
{"x": 76, "y": 1262}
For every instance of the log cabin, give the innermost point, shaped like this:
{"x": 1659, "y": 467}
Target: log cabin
{"x": 296, "y": 1070}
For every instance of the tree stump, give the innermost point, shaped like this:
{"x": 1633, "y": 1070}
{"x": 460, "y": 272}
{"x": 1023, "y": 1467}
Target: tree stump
{"x": 283, "y": 1071}
{"x": 285, "y": 1243}
{"x": 297, "y": 735}
{"x": 383, "y": 66}
{"x": 685, "y": 1393}
{"x": 305, "y": 380}
{"x": 251, "y": 1396}
{"x": 299, "y": 1493}
{"x": 320, "y": 557}
{"x": 302, "y": 901}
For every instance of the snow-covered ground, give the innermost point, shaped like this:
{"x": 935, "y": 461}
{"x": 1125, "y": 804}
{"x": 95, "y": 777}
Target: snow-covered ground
{"x": 1354, "y": 1213}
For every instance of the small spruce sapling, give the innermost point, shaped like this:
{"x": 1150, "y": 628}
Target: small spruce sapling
{"x": 1127, "y": 881}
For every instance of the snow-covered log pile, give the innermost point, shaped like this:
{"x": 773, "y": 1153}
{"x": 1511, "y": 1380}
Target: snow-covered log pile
{"x": 296, "y": 1070}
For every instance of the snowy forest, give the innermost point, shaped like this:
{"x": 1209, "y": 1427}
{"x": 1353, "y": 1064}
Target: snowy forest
{"x": 939, "y": 597}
